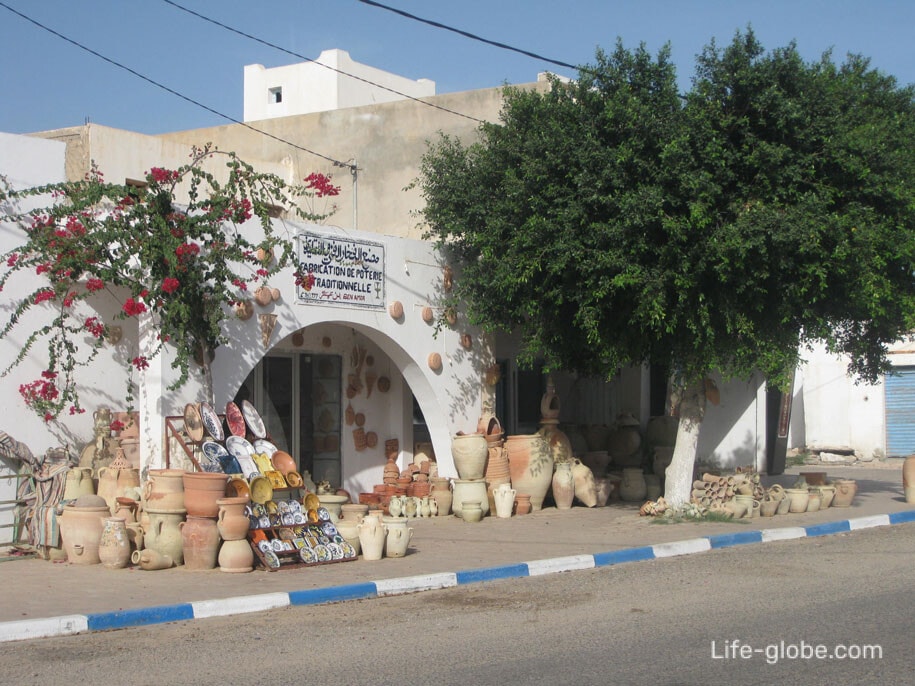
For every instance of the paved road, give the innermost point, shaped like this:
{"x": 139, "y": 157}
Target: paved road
{"x": 640, "y": 623}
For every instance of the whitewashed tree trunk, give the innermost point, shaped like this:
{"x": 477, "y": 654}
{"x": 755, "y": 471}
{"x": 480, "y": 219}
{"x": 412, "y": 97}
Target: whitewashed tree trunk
{"x": 679, "y": 474}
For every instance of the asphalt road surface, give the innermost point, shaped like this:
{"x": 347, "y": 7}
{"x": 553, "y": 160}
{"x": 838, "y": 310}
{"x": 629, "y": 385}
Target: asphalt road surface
{"x": 832, "y": 610}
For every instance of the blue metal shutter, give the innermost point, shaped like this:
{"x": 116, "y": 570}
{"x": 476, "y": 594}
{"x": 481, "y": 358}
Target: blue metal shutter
{"x": 900, "y": 411}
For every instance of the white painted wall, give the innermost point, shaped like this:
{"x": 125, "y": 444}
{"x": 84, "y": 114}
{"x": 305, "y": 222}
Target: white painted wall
{"x": 323, "y": 85}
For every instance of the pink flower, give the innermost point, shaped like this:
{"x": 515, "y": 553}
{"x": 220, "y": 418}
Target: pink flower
{"x": 160, "y": 175}
{"x": 140, "y": 362}
{"x": 41, "y": 296}
{"x": 11, "y": 260}
{"x": 132, "y": 307}
{"x": 94, "y": 284}
{"x": 170, "y": 284}
{"x": 94, "y": 327}
{"x": 321, "y": 185}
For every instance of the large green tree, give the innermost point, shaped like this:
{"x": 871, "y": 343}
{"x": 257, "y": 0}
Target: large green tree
{"x": 612, "y": 220}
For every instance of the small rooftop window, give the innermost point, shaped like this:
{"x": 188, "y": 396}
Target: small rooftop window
{"x": 275, "y": 95}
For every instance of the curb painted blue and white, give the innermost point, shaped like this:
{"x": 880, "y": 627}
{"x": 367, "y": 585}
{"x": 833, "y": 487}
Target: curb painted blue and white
{"x": 104, "y": 621}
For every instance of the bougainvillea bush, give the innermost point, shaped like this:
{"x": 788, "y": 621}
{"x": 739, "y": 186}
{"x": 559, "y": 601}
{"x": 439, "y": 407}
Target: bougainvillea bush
{"x": 182, "y": 266}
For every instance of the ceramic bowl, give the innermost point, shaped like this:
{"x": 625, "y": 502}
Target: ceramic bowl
{"x": 283, "y": 462}
{"x": 261, "y": 489}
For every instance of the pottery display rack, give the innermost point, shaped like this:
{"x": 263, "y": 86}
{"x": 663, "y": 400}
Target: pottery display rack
{"x": 300, "y": 537}
{"x": 173, "y": 431}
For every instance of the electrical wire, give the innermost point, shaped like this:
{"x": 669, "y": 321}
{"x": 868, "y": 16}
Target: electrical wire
{"x": 472, "y": 36}
{"x": 321, "y": 64}
{"x": 337, "y": 163}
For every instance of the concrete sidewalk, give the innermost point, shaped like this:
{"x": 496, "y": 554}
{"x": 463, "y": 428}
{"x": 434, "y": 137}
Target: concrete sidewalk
{"x": 39, "y": 598}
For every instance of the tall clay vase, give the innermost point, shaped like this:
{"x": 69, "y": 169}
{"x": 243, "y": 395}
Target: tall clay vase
{"x": 202, "y": 490}
{"x": 114, "y": 483}
{"x": 200, "y": 541}
{"x": 441, "y": 494}
{"x": 504, "y": 498}
{"x": 469, "y": 452}
{"x": 908, "y": 479}
{"x": 633, "y": 487}
{"x": 585, "y": 483}
{"x": 114, "y": 545}
{"x": 232, "y": 521}
{"x": 372, "y": 535}
{"x": 563, "y": 486}
{"x": 236, "y": 557}
{"x": 164, "y": 534}
{"x": 164, "y": 490}
{"x": 531, "y": 465}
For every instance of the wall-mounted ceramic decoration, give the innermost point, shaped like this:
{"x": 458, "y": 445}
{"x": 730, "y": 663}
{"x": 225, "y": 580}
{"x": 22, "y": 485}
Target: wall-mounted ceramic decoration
{"x": 466, "y": 341}
{"x": 384, "y": 384}
{"x": 115, "y": 334}
{"x": 360, "y": 419}
{"x": 359, "y": 438}
{"x": 326, "y": 342}
{"x": 428, "y": 314}
{"x": 371, "y": 439}
{"x": 369, "y": 360}
{"x": 244, "y": 310}
{"x": 298, "y": 339}
{"x": 493, "y": 375}
{"x": 264, "y": 256}
{"x": 395, "y": 309}
{"x": 267, "y": 324}
{"x": 435, "y": 362}
{"x": 448, "y": 279}
{"x": 349, "y": 415}
{"x": 263, "y": 296}
{"x": 275, "y": 294}
{"x": 253, "y": 419}
{"x": 451, "y": 316}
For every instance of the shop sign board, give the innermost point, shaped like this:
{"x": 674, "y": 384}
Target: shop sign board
{"x": 340, "y": 271}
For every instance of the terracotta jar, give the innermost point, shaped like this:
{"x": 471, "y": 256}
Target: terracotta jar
{"x": 114, "y": 483}
{"x": 126, "y": 508}
{"x": 164, "y": 534}
{"x": 202, "y": 490}
{"x": 398, "y": 537}
{"x": 79, "y": 482}
{"x": 114, "y": 545}
{"x": 441, "y": 493}
{"x": 164, "y": 491}
{"x": 531, "y": 465}
{"x": 585, "y": 483}
{"x": 372, "y": 533}
{"x": 81, "y": 532}
{"x": 633, "y": 487}
{"x": 798, "y": 499}
{"x": 233, "y": 523}
{"x": 470, "y": 490}
{"x": 469, "y": 452}
{"x": 563, "y": 486}
{"x": 236, "y": 557}
{"x": 908, "y": 479}
{"x": 845, "y": 492}
{"x": 522, "y": 504}
{"x": 200, "y": 541}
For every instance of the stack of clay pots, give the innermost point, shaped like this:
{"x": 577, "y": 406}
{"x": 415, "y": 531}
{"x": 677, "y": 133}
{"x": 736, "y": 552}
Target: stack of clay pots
{"x": 470, "y": 453}
{"x": 164, "y": 507}
{"x": 199, "y": 533}
{"x": 235, "y": 554}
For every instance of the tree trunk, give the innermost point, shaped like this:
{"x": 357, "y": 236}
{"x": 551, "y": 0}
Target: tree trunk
{"x": 679, "y": 475}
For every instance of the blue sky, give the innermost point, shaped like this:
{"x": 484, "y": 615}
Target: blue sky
{"x": 47, "y": 83}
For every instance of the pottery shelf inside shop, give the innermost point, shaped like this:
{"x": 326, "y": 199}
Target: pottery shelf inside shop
{"x": 289, "y": 538}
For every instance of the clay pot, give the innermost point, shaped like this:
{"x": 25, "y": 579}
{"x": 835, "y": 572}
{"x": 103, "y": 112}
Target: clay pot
{"x": 200, "y": 542}
{"x": 164, "y": 534}
{"x": 908, "y": 479}
{"x": 531, "y": 465}
{"x": 126, "y": 508}
{"x": 114, "y": 544}
{"x": 596, "y": 436}
{"x": 845, "y": 492}
{"x": 597, "y": 461}
{"x": 353, "y": 512}
{"x": 798, "y": 499}
{"x": 469, "y": 452}
{"x": 395, "y": 309}
{"x": 435, "y": 362}
{"x": 585, "y": 484}
{"x": 471, "y": 511}
{"x": 428, "y": 314}
{"x": 768, "y": 508}
{"x": 81, "y": 532}
{"x": 549, "y": 402}
{"x": 604, "y": 487}
{"x": 164, "y": 491}
{"x": 202, "y": 490}
{"x": 263, "y": 296}
{"x": 633, "y": 487}
{"x": 236, "y": 557}
{"x": 813, "y": 500}
{"x": 398, "y": 539}
{"x": 442, "y": 495}
{"x": 563, "y": 486}
{"x": 113, "y": 483}
{"x": 827, "y": 493}
{"x": 504, "y": 500}
{"x": 150, "y": 560}
{"x": 232, "y": 521}
{"x": 624, "y": 445}
{"x": 349, "y": 529}
{"x": 244, "y": 310}
{"x": 372, "y": 535}
{"x": 469, "y": 490}
{"x": 522, "y": 504}
{"x": 79, "y": 482}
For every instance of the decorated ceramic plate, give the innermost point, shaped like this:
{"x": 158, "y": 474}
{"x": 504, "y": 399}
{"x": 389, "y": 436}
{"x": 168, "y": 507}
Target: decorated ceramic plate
{"x": 329, "y": 529}
{"x": 210, "y": 465}
{"x": 213, "y": 451}
{"x": 288, "y": 518}
{"x": 348, "y": 549}
{"x": 323, "y": 553}
{"x": 193, "y": 423}
{"x": 295, "y": 506}
{"x": 253, "y": 419}
{"x": 323, "y": 514}
{"x": 211, "y": 421}
{"x": 262, "y": 445}
{"x": 272, "y": 560}
{"x": 265, "y": 546}
{"x": 336, "y": 551}
{"x": 299, "y": 518}
{"x": 230, "y": 464}
{"x": 278, "y": 545}
{"x": 235, "y": 420}
{"x": 308, "y": 555}
{"x": 244, "y": 453}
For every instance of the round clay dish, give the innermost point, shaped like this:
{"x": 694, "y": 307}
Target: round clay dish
{"x": 193, "y": 423}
